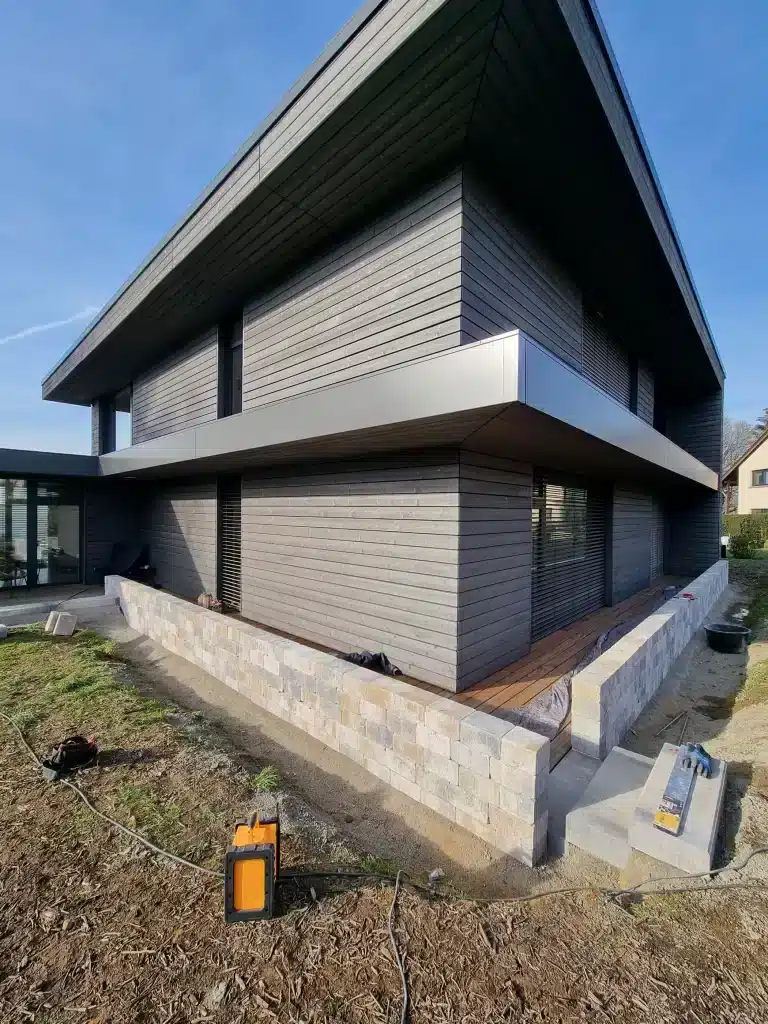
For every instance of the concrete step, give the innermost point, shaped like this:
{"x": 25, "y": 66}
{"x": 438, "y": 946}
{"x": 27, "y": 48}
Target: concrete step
{"x": 693, "y": 849}
{"x": 567, "y": 783}
{"x": 600, "y": 821}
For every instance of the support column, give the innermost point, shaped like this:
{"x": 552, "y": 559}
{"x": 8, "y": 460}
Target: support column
{"x": 103, "y": 425}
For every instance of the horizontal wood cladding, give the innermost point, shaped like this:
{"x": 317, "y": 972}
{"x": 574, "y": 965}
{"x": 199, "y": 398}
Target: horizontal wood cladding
{"x": 358, "y": 555}
{"x": 179, "y": 524}
{"x": 390, "y": 294}
{"x": 111, "y": 516}
{"x": 693, "y": 532}
{"x": 646, "y": 389}
{"x": 633, "y": 522}
{"x": 494, "y": 614}
{"x": 697, "y": 427}
{"x": 178, "y": 393}
{"x": 509, "y": 282}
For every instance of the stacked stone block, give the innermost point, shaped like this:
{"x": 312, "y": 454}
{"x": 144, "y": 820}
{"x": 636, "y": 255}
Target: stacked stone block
{"x": 479, "y": 771}
{"x": 610, "y": 693}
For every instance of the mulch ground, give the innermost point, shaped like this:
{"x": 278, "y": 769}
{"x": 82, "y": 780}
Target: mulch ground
{"x": 94, "y": 928}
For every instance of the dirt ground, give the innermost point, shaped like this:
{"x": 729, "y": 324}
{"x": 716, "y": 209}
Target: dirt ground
{"x": 94, "y": 928}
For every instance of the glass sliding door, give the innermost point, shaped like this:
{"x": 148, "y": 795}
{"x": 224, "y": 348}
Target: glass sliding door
{"x": 13, "y": 533}
{"x": 58, "y": 532}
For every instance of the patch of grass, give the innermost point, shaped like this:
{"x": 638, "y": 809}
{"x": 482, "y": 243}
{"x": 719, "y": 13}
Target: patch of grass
{"x": 758, "y": 605}
{"x": 267, "y": 780}
{"x": 64, "y": 685}
{"x": 377, "y": 865}
{"x": 142, "y": 808}
{"x": 755, "y": 688}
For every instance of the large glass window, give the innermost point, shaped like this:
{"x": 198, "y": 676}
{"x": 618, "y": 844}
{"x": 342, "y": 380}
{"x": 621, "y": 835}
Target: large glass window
{"x": 13, "y": 533}
{"x": 58, "y": 533}
{"x": 760, "y": 478}
{"x": 39, "y": 532}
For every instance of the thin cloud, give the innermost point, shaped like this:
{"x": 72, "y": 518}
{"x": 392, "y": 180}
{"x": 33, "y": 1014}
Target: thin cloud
{"x": 84, "y": 314}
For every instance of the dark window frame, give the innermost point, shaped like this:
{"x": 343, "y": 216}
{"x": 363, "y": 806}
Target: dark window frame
{"x": 230, "y": 368}
{"x": 34, "y": 500}
{"x": 756, "y": 475}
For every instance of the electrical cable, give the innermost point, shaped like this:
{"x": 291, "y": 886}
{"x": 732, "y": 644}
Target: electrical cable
{"x": 398, "y": 958}
{"x": 112, "y": 821}
{"x": 399, "y": 961}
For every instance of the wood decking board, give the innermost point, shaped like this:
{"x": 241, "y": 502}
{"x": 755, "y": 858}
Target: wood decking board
{"x": 551, "y": 657}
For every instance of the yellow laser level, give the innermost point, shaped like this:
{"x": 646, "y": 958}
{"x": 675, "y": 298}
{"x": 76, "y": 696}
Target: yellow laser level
{"x": 250, "y": 870}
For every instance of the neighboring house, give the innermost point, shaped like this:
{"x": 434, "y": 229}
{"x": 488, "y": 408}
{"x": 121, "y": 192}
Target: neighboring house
{"x": 423, "y": 370}
{"x": 749, "y": 475}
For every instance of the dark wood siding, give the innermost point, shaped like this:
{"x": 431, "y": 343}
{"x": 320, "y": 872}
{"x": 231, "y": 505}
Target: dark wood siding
{"x": 389, "y": 295}
{"x": 645, "y": 393}
{"x": 180, "y": 392}
{"x": 631, "y": 541}
{"x": 179, "y": 524}
{"x": 358, "y": 555}
{"x": 494, "y": 626}
{"x": 693, "y": 532}
{"x": 111, "y": 516}
{"x": 509, "y": 282}
{"x": 697, "y": 426}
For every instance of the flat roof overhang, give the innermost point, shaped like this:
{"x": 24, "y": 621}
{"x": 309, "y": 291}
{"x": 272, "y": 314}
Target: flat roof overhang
{"x": 506, "y": 396}
{"x": 17, "y": 462}
{"x": 530, "y": 94}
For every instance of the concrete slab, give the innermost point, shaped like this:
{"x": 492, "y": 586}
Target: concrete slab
{"x": 38, "y": 611}
{"x": 693, "y": 849}
{"x": 567, "y": 783}
{"x": 600, "y": 821}
{"x": 65, "y": 624}
{"x": 50, "y": 622}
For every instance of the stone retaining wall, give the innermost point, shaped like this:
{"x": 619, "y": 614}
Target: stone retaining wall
{"x": 479, "y": 771}
{"x": 610, "y": 693}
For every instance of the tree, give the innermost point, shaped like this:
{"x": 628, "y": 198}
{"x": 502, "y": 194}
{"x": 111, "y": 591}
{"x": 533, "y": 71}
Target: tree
{"x": 738, "y": 435}
{"x": 762, "y": 421}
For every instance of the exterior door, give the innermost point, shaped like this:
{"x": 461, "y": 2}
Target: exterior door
{"x": 230, "y": 542}
{"x": 568, "y": 525}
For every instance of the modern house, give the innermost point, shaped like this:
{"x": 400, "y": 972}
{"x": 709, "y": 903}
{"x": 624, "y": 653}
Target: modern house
{"x": 749, "y": 475}
{"x": 423, "y": 370}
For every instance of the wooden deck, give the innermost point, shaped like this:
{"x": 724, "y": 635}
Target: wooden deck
{"x": 550, "y": 658}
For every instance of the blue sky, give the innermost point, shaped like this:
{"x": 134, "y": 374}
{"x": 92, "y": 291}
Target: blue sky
{"x": 114, "y": 116}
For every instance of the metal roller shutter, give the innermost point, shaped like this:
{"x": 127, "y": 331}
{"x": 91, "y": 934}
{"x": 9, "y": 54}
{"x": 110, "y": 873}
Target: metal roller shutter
{"x": 606, "y": 364}
{"x": 657, "y": 539}
{"x": 230, "y": 541}
{"x": 568, "y": 524}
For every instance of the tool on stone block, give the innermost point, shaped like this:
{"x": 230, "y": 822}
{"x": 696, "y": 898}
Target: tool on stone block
{"x": 691, "y": 760}
{"x": 251, "y": 868}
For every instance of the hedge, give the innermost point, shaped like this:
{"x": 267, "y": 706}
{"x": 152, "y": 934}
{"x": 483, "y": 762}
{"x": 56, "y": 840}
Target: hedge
{"x": 756, "y": 523}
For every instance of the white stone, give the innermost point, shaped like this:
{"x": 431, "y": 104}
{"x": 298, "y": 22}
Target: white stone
{"x": 600, "y": 821}
{"x": 65, "y": 624}
{"x": 693, "y": 849}
{"x": 50, "y": 625}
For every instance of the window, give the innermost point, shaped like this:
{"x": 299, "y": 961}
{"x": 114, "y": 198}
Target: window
{"x": 231, "y": 368}
{"x": 40, "y": 526}
{"x": 760, "y": 478}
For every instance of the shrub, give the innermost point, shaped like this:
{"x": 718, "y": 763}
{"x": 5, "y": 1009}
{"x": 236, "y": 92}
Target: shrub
{"x": 742, "y": 546}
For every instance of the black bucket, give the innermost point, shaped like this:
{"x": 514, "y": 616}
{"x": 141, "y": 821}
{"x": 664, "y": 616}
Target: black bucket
{"x": 727, "y": 637}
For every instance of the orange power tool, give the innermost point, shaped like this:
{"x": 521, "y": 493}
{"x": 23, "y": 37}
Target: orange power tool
{"x": 251, "y": 869}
